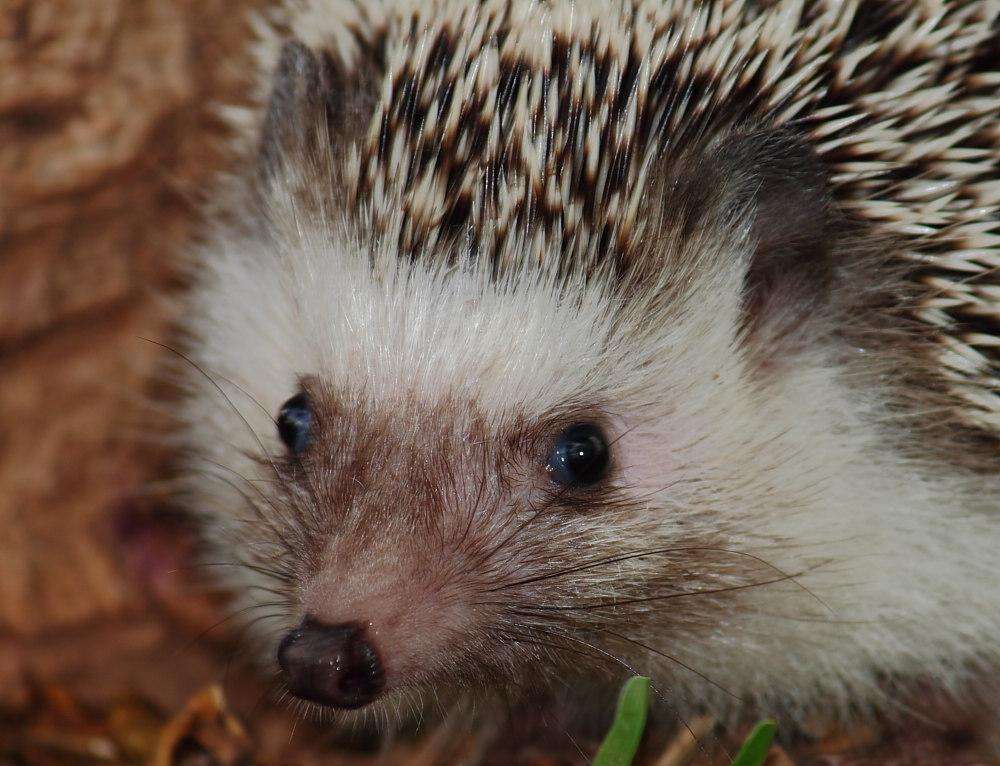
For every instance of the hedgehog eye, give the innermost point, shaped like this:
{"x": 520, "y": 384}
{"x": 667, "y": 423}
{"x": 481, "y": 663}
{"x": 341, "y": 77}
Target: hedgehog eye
{"x": 580, "y": 457}
{"x": 294, "y": 421}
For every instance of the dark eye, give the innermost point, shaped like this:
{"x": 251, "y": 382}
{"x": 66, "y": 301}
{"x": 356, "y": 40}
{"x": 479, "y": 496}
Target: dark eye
{"x": 580, "y": 457}
{"x": 294, "y": 421}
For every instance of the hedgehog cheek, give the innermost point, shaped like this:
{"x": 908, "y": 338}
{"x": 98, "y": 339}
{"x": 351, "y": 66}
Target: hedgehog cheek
{"x": 650, "y": 454}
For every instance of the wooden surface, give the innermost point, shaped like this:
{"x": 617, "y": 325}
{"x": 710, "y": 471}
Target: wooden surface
{"x": 107, "y": 143}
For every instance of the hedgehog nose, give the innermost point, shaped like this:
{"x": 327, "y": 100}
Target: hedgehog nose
{"x": 332, "y": 665}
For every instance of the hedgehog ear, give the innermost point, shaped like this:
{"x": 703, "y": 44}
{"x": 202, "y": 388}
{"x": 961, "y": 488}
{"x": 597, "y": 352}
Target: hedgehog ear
{"x": 783, "y": 188}
{"x": 298, "y": 109}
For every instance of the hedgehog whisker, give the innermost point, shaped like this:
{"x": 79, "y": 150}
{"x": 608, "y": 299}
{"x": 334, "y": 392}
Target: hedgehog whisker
{"x": 275, "y": 574}
{"x": 656, "y": 552}
{"x": 273, "y": 591}
{"x": 610, "y": 656}
{"x": 278, "y": 477}
{"x": 505, "y": 542}
{"x": 251, "y": 481}
{"x": 272, "y": 616}
{"x": 614, "y": 604}
{"x": 181, "y": 355}
{"x": 243, "y": 646}
{"x": 203, "y": 565}
{"x": 526, "y": 638}
{"x": 270, "y": 573}
{"x": 666, "y": 597}
{"x": 224, "y": 620}
{"x": 673, "y": 659}
{"x": 634, "y": 672}
{"x": 267, "y": 523}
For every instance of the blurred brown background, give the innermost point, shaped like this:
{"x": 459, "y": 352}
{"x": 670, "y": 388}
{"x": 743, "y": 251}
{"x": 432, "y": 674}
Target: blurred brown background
{"x": 107, "y": 145}
{"x": 100, "y": 108}
{"x": 105, "y": 140}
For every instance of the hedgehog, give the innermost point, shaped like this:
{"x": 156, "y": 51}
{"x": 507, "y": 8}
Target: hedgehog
{"x": 536, "y": 344}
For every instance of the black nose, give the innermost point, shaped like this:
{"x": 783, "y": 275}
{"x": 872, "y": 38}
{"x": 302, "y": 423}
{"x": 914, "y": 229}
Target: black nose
{"x": 333, "y": 665}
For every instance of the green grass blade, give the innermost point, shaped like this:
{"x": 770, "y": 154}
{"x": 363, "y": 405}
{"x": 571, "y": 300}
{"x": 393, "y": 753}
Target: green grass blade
{"x": 756, "y": 746}
{"x": 622, "y": 740}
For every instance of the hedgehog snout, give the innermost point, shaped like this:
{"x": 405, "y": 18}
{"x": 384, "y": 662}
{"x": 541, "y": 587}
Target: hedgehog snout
{"x": 333, "y": 665}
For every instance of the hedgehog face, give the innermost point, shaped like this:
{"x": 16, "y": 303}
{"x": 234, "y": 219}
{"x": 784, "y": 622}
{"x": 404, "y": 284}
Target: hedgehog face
{"x": 431, "y": 531}
{"x": 442, "y": 501}
{"x": 425, "y": 545}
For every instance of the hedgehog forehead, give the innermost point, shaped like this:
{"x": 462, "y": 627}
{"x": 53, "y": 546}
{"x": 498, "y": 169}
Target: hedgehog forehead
{"x": 393, "y": 330}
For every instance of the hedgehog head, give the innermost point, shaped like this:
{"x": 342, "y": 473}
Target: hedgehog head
{"x": 547, "y": 340}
